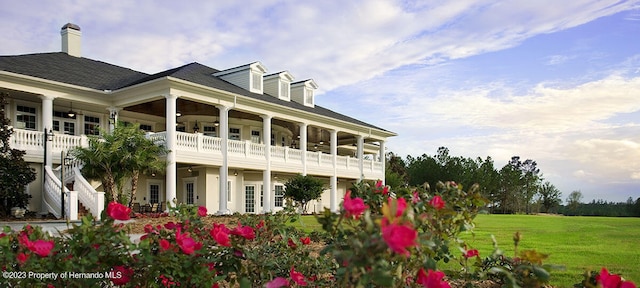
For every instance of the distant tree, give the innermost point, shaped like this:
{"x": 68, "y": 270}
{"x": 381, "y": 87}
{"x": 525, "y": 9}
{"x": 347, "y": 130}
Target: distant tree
{"x": 395, "y": 171}
{"x": 549, "y": 197}
{"x": 15, "y": 173}
{"x": 574, "y": 200}
{"x": 303, "y": 189}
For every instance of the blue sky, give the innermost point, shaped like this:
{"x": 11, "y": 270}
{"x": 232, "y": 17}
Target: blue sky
{"x": 553, "y": 81}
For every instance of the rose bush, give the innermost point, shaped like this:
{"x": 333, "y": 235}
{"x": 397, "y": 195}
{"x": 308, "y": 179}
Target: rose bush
{"x": 378, "y": 238}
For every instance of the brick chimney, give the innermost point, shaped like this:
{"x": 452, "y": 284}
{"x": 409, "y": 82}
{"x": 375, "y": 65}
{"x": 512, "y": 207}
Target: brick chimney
{"x": 71, "y": 39}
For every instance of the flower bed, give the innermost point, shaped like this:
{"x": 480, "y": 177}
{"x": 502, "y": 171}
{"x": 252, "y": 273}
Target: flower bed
{"x": 377, "y": 239}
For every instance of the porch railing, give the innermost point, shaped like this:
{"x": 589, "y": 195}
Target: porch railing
{"x": 52, "y": 201}
{"x": 88, "y": 196}
{"x": 197, "y": 142}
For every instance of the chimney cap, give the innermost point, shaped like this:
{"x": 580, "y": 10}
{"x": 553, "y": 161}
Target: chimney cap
{"x": 71, "y": 26}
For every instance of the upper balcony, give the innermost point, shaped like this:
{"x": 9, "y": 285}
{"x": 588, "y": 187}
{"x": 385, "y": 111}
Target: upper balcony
{"x": 200, "y": 149}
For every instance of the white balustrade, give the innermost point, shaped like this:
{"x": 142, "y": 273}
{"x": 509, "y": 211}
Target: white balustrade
{"x": 26, "y": 139}
{"x": 256, "y": 150}
{"x": 235, "y": 146}
{"x": 88, "y": 196}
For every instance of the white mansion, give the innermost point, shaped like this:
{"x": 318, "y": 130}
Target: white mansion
{"x": 235, "y": 136}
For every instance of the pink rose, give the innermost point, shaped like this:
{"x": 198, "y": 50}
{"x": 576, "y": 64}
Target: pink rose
{"x": 354, "y": 207}
{"x": 202, "y": 211}
{"x": 118, "y": 211}
{"x": 437, "y": 202}
{"x": 399, "y": 237}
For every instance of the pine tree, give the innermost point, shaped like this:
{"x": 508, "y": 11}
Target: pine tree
{"x": 15, "y": 173}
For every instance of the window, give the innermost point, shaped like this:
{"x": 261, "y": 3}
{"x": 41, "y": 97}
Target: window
{"x": 284, "y": 90}
{"x": 261, "y": 195}
{"x": 255, "y": 136}
{"x": 250, "y": 198}
{"x": 146, "y": 127}
{"x": 229, "y": 191}
{"x": 308, "y": 96}
{"x": 209, "y": 131}
{"x": 279, "y": 196}
{"x": 26, "y": 117}
{"x": 190, "y": 192}
{"x": 91, "y": 125}
{"x": 234, "y": 133}
{"x": 256, "y": 80}
{"x": 62, "y": 123}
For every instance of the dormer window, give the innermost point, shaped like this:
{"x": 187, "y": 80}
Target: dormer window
{"x": 302, "y": 92}
{"x": 256, "y": 81}
{"x": 278, "y": 85}
{"x": 284, "y": 90}
{"x": 308, "y": 97}
{"x": 247, "y": 76}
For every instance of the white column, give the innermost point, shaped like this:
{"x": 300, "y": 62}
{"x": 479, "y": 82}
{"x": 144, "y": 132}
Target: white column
{"x": 266, "y": 174}
{"x": 383, "y": 159}
{"x": 113, "y": 113}
{"x": 334, "y": 177}
{"x": 224, "y": 169}
{"x": 171, "y": 142}
{"x": 303, "y": 147}
{"x": 47, "y": 125}
{"x": 361, "y": 156}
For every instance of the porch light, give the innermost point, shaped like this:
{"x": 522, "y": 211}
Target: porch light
{"x": 196, "y": 128}
{"x": 216, "y": 123}
{"x": 235, "y": 172}
{"x": 178, "y": 114}
{"x": 190, "y": 169}
{"x": 71, "y": 113}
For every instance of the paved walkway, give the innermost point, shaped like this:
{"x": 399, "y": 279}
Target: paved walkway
{"x": 55, "y": 227}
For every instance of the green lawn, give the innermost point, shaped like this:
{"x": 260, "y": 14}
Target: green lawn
{"x": 578, "y": 243}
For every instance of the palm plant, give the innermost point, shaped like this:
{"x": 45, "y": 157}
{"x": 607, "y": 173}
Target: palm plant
{"x": 114, "y": 157}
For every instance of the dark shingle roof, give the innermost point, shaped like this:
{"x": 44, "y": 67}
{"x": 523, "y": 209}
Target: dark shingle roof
{"x": 64, "y": 68}
{"x": 99, "y": 75}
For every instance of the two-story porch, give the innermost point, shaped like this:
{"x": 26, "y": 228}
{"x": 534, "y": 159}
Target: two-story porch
{"x": 234, "y": 136}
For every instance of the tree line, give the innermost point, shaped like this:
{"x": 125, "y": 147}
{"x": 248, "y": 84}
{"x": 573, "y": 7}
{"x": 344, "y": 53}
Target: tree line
{"x": 516, "y": 187}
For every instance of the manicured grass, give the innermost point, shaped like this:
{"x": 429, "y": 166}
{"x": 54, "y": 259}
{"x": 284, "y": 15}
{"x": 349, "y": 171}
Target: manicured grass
{"x": 577, "y": 243}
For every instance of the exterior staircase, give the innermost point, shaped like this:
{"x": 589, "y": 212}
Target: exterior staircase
{"x": 82, "y": 211}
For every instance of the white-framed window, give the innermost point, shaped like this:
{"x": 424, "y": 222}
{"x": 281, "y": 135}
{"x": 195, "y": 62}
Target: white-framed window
{"x": 190, "y": 191}
{"x": 64, "y": 124}
{"x": 308, "y": 99}
{"x": 279, "y": 195}
{"x": 284, "y": 90}
{"x": 210, "y": 131}
{"x": 256, "y": 81}
{"x": 26, "y": 117}
{"x": 229, "y": 191}
{"x": 234, "y": 133}
{"x": 255, "y": 136}
{"x": 250, "y": 198}
{"x": 261, "y": 195}
{"x": 91, "y": 124}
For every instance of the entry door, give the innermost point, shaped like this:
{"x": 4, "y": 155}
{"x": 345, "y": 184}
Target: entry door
{"x": 250, "y": 198}
{"x": 189, "y": 189}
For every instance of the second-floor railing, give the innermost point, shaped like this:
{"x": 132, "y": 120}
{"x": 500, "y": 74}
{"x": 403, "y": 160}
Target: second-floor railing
{"x": 33, "y": 140}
